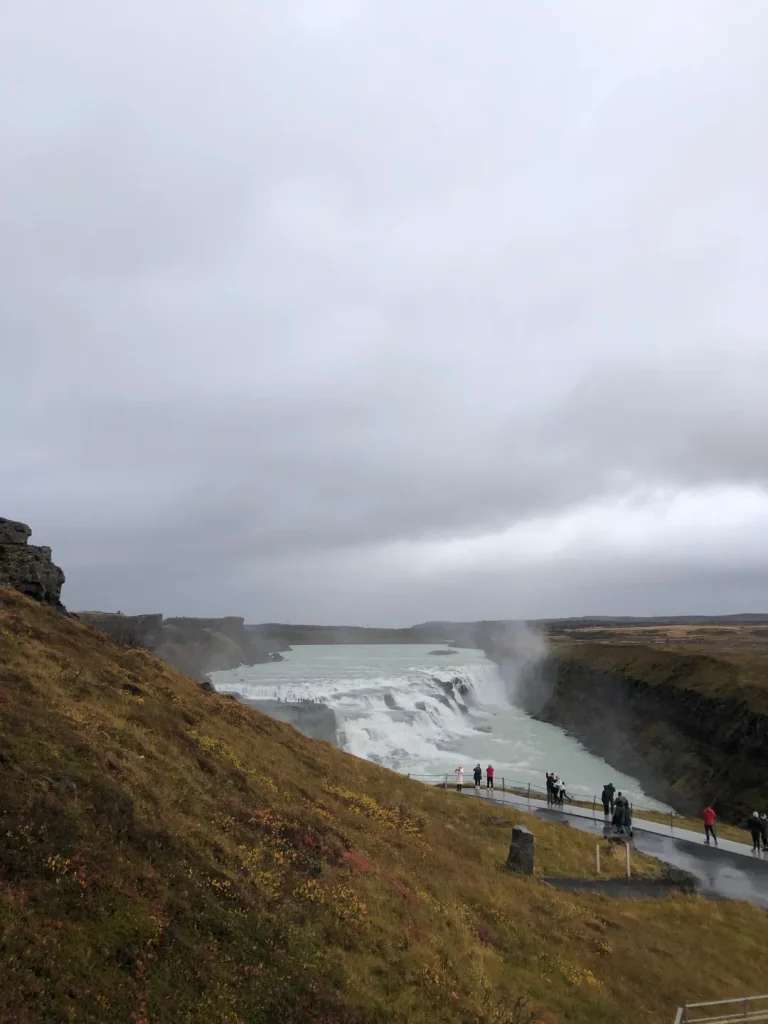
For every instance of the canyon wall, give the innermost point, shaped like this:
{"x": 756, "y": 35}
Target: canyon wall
{"x": 692, "y": 728}
{"x": 194, "y": 646}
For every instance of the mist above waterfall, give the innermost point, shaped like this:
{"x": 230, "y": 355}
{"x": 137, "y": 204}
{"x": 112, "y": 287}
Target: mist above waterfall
{"x": 520, "y": 651}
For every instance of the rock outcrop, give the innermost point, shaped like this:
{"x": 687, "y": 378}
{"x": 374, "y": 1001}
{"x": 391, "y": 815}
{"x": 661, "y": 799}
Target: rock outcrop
{"x": 194, "y": 646}
{"x": 130, "y": 630}
{"x": 27, "y": 567}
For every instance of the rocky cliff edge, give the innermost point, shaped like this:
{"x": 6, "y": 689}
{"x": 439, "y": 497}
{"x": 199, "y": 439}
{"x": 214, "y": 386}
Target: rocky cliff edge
{"x": 28, "y": 567}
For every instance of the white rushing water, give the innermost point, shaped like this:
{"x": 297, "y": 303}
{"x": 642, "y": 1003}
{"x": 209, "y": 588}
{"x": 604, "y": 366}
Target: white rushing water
{"x": 409, "y": 709}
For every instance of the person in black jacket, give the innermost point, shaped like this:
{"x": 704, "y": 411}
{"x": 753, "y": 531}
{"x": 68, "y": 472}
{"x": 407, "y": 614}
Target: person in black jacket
{"x": 755, "y": 830}
{"x": 764, "y": 831}
{"x": 550, "y": 781}
{"x": 478, "y": 774}
{"x": 606, "y": 798}
{"x": 611, "y": 794}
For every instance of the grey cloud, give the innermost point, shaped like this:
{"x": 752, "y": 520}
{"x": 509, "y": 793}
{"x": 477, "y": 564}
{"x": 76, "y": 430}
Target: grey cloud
{"x": 289, "y": 285}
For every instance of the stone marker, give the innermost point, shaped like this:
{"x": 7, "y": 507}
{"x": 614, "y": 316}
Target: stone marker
{"x": 521, "y": 850}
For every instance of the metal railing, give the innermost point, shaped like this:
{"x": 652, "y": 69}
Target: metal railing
{"x": 724, "y": 1011}
{"x": 447, "y": 780}
{"x": 528, "y": 790}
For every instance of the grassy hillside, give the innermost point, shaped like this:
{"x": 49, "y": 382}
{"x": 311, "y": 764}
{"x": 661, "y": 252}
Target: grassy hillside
{"x": 168, "y": 856}
{"x": 715, "y": 672}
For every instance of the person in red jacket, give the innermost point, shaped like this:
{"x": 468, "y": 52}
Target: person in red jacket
{"x": 489, "y": 777}
{"x": 709, "y": 816}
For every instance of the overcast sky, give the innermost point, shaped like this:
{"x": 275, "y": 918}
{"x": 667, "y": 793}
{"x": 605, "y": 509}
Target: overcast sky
{"x": 374, "y": 312}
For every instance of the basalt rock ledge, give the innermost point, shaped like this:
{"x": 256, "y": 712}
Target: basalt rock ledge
{"x": 28, "y": 567}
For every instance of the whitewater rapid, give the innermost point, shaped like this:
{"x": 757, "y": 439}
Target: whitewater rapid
{"x": 407, "y": 708}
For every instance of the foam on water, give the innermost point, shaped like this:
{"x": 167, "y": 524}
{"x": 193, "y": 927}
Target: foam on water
{"x": 403, "y": 707}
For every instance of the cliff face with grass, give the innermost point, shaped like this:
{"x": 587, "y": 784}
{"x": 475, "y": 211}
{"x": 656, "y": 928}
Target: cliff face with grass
{"x": 692, "y": 727}
{"x": 169, "y": 856}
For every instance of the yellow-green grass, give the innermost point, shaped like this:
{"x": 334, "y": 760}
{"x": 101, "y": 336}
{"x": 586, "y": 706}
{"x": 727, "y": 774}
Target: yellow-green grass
{"x": 718, "y": 674}
{"x": 169, "y": 856}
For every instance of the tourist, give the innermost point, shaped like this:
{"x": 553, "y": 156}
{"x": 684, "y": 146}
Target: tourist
{"x": 755, "y": 830}
{"x": 764, "y": 831}
{"x": 549, "y": 776}
{"x": 709, "y": 816}
{"x": 607, "y": 798}
{"x": 459, "y": 773}
{"x": 620, "y": 810}
{"x": 489, "y": 772}
{"x": 560, "y": 791}
{"x": 611, "y": 794}
{"x": 478, "y": 773}
{"x": 555, "y": 786}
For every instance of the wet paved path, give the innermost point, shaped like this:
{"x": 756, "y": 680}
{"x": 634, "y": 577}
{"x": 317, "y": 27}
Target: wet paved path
{"x": 729, "y": 870}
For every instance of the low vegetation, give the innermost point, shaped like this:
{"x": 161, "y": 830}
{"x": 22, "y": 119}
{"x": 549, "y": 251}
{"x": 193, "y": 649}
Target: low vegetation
{"x": 720, "y": 664}
{"x": 169, "y": 856}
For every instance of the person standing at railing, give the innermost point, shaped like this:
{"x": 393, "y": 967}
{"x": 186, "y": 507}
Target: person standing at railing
{"x": 611, "y": 796}
{"x": 459, "y": 773}
{"x": 489, "y": 773}
{"x": 621, "y": 812}
{"x": 764, "y": 831}
{"x": 550, "y": 788}
{"x": 607, "y": 798}
{"x": 710, "y": 817}
{"x": 478, "y": 774}
{"x": 555, "y": 788}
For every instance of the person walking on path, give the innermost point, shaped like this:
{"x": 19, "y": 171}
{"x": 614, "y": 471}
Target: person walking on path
{"x": 489, "y": 773}
{"x": 709, "y": 816}
{"x": 478, "y": 773}
{"x": 459, "y": 773}
{"x": 753, "y": 824}
{"x": 764, "y": 831}
{"x": 606, "y": 798}
{"x": 550, "y": 779}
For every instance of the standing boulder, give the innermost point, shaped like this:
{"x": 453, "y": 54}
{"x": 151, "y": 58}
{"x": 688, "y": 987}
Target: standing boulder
{"x": 521, "y": 854}
{"x": 26, "y": 567}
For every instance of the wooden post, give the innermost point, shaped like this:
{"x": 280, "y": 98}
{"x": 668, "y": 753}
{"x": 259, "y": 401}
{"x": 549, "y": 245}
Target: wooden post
{"x": 529, "y": 792}
{"x": 629, "y": 863}
{"x": 597, "y": 857}
{"x": 503, "y": 786}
